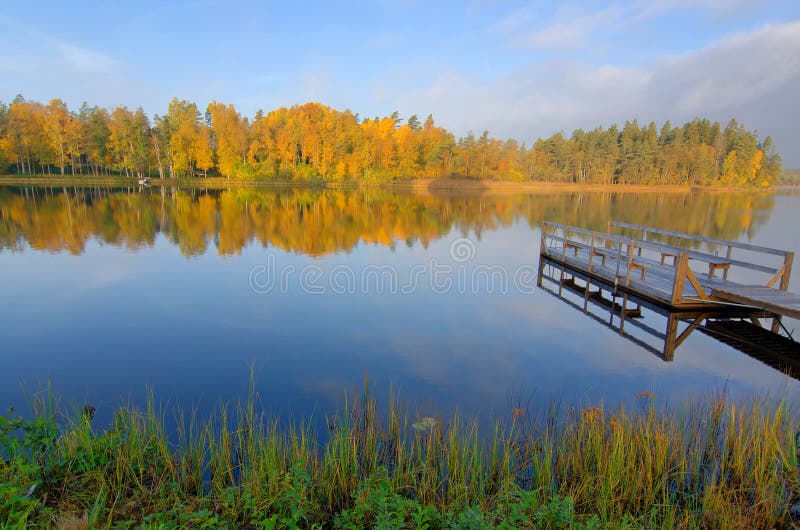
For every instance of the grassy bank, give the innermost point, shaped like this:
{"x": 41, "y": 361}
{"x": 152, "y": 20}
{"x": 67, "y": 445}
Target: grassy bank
{"x": 715, "y": 464}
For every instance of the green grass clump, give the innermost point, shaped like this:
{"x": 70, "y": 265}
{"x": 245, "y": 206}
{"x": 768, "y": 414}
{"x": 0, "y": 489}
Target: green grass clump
{"x": 715, "y": 464}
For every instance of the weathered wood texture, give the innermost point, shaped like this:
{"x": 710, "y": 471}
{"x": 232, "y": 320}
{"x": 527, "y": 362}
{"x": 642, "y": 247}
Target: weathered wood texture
{"x": 642, "y": 266}
{"x": 773, "y": 300}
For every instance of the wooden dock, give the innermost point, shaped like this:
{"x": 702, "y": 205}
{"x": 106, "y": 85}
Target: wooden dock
{"x": 661, "y": 331}
{"x": 676, "y": 270}
{"x": 781, "y": 302}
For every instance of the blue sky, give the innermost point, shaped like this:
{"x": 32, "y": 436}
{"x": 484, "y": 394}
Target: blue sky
{"x": 519, "y": 69}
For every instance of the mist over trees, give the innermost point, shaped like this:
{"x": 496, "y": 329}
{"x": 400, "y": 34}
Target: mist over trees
{"x": 313, "y": 142}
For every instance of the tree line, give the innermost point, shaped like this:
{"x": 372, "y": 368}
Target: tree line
{"x": 316, "y": 142}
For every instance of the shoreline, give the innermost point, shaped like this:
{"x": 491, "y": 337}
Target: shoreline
{"x": 446, "y": 185}
{"x": 718, "y": 462}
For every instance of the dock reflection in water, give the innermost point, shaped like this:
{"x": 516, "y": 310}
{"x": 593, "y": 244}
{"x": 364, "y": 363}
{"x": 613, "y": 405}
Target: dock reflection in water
{"x": 151, "y": 288}
{"x": 660, "y": 331}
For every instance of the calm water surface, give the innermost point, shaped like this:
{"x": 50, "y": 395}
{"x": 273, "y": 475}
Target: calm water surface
{"x": 110, "y": 292}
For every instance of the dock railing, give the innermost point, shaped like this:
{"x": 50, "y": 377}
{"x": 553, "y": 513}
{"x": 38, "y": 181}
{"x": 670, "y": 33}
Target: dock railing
{"x": 616, "y": 257}
{"x": 627, "y": 259}
{"x": 782, "y": 272}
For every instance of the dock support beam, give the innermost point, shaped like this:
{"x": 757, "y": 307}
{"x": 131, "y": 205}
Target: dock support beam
{"x": 788, "y": 260}
{"x": 542, "y": 252}
{"x": 680, "y": 277}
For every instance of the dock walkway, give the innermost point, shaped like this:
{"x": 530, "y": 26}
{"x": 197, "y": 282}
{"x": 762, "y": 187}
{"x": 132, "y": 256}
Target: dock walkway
{"x": 768, "y": 299}
{"x": 662, "y": 266}
{"x": 661, "y": 331}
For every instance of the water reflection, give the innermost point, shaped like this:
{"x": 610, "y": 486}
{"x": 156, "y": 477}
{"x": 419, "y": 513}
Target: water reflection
{"x": 320, "y": 222}
{"x": 115, "y": 291}
{"x": 658, "y": 330}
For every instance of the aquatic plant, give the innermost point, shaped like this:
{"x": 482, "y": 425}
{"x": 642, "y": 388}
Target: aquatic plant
{"x": 715, "y": 463}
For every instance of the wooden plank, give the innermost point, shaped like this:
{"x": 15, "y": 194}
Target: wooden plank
{"x": 575, "y": 229}
{"x": 736, "y": 244}
{"x": 787, "y": 271}
{"x": 753, "y": 266}
{"x": 774, "y": 350}
{"x": 655, "y": 278}
{"x": 697, "y": 287}
{"x": 611, "y": 276}
{"x": 543, "y": 245}
{"x": 589, "y": 233}
{"x": 668, "y": 249}
{"x": 560, "y": 239}
{"x": 680, "y": 278}
{"x": 672, "y": 250}
{"x": 763, "y": 297}
{"x": 675, "y": 286}
{"x": 606, "y": 324}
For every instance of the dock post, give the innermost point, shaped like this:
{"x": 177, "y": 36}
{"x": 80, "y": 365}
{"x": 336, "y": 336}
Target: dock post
{"x": 670, "y": 337}
{"x": 728, "y": 256}
{"x": 563, "y": 260}
{"x": 542, "y": 250}
{"x": 541, "y": 271}
{"x": 543, "y": 245}
{"x": 788, "y": 260}
{"x": 680, "y": 277}
{"x": 623, "y": 312}
{"x": 631, "y": 252}
{"x": 586, "y": 294}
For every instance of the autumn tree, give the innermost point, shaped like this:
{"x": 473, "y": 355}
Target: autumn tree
{"x": 314, "y": 141}
{"x": 5, "y": 160}
{"x": 97, "y": 138}
{"x": 62, "y": 130}
{"x": 24, "y": 140}
{"x": 230, "y": 132}
{"x": 188, "y": 141}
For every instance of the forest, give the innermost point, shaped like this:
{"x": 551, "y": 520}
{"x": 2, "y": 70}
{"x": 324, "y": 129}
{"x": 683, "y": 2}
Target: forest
{"x": 316, "y": 143}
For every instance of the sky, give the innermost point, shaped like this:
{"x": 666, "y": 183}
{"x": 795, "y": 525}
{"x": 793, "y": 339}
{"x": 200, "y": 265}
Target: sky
{"x": 518, "y": 69}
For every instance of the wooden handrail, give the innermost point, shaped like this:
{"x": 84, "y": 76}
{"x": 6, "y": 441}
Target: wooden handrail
{"x": 702, "y": 256}
{"x": 622, "y": 241}
{"x": 664, "y": 247}
{"x": 559, "y": 240}
{"x": 715, "y": 241}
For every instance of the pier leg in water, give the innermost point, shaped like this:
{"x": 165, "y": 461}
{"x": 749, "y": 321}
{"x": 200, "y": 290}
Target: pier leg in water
{"x": 586, "y": 294}
{"x": 671, "y": 335}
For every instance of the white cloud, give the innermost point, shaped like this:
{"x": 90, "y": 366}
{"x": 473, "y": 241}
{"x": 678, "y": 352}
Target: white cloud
{"x": 514, "y": 21}
{"x": 385, "y": 39}
{"x": 83, "y": 60}
{"x": 652, "y": 8}
{"x": 175, "y": 8}
{"x": 741, "y": 69}
{"x": 42, "y": 66}
{"x": 752, "y": 77}
{"x": 571, "y": 28}
{"x": 27, "y": 46}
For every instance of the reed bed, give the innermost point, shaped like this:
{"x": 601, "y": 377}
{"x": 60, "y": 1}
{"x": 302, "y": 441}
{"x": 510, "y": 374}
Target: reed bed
{"x": 712, "y": 463}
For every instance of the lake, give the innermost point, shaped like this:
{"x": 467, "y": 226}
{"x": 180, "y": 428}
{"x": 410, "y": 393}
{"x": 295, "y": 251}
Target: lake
{"x": 111, "y": 292}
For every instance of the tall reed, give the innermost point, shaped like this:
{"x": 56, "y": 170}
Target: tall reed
{"x": 710, "y": 463}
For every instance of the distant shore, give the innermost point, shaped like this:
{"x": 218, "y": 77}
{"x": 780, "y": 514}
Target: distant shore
{"x": 419, "y": 185}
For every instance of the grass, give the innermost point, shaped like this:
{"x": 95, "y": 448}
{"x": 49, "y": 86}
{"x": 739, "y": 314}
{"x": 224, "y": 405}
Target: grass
{"x": 711, "y": 464}
{"x": 441, "y": 184}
